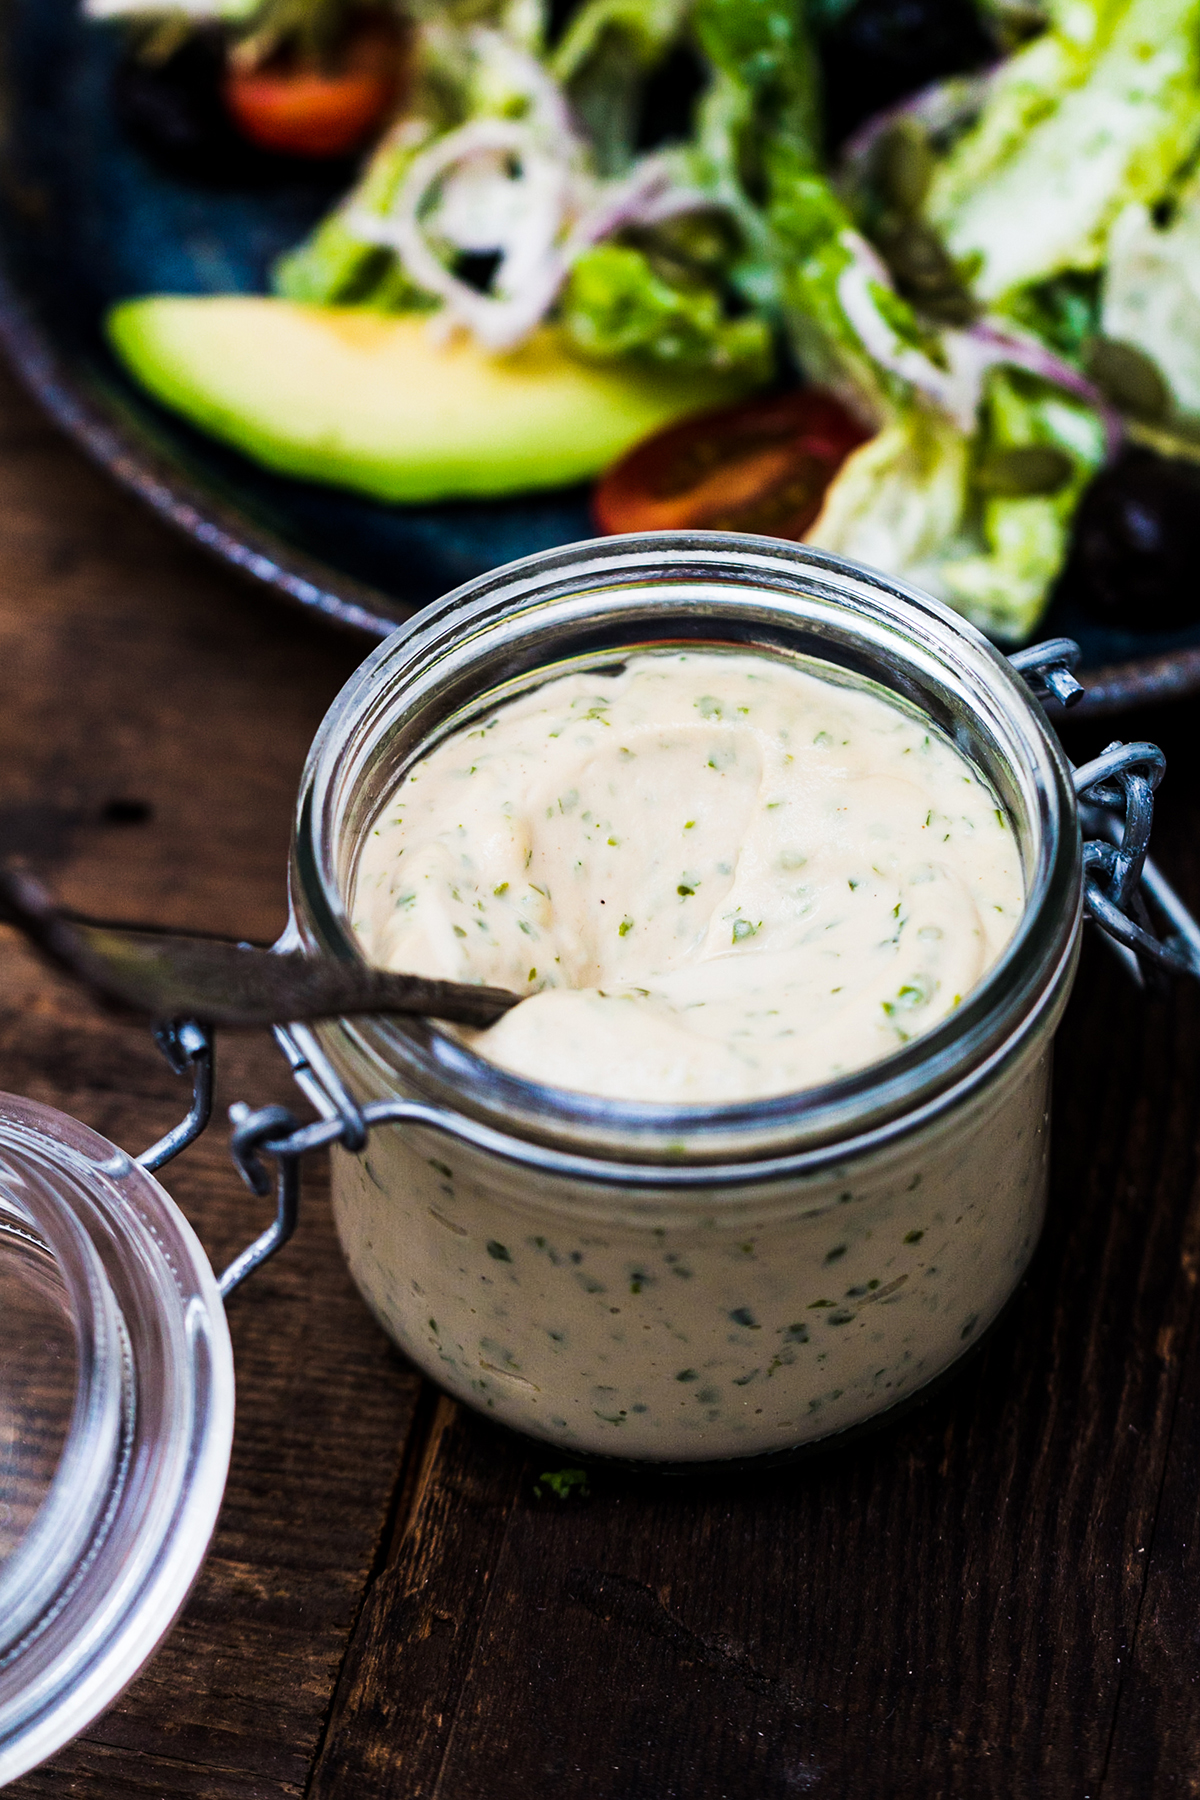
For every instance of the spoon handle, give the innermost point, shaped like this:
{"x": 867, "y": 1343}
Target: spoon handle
{"x": 162, "y": 975}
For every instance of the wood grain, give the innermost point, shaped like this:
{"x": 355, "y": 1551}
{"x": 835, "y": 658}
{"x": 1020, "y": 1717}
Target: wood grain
{"x": 996, "y": 1596}
{"x": 948, "y": 1606}
{"x": 948, "y": 1609}
{"x": 132, "y": 672}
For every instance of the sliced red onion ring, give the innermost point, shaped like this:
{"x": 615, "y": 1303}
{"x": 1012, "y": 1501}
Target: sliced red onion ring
{"x": 954, "y": 384}
{"x": 650, "y": 193}
{"x": 534, "y": 255}
{"x": 569, "y": 213}
{"x": 1021, "y": 350}
{"x": 987, "y": 344}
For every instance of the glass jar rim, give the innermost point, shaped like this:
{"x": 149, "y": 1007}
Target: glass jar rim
{"x": 530, "y": 620}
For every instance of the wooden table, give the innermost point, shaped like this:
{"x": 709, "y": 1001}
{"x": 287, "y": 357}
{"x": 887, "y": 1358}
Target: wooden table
{"x": 999, "y": 1596}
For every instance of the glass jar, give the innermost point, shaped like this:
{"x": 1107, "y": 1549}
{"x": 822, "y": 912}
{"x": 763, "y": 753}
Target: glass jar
{"x": 687, "y": 1284}
{"x": 116, "y": 1418}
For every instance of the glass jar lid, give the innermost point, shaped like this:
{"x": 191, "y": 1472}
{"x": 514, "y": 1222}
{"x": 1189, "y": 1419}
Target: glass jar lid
{"x": 116, "y": 1417}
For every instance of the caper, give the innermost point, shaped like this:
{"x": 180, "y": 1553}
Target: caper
{"x": 1023, "y": 470}
{"x": 917, "y": 256}
{"x": 1130, "y": 378}
{"x": 953, "y": 306}
{"x": 924, "y": 271}
{"x": 906, "y": 165}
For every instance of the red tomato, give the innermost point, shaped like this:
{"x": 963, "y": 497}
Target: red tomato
{"x": 762, "y": 466}
{"x": 301, "y": 110}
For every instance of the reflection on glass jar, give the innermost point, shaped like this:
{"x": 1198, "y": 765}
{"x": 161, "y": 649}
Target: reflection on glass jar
{"x": 694, "y": 1283}
{"x": 735, "y": 1321}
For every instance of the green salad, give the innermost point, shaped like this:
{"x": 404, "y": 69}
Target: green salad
{"x": 999, "y": 278}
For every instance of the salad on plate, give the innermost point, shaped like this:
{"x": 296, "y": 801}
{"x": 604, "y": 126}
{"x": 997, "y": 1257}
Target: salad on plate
{"x": 614, "y": 239}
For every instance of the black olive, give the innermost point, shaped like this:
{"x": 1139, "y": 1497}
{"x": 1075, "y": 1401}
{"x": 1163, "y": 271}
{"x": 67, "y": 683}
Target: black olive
{"x": 882, "y": 50}
{"x": 1133, "y": 560}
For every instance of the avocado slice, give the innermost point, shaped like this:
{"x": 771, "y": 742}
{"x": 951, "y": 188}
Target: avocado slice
{"x": 377, "y": 404}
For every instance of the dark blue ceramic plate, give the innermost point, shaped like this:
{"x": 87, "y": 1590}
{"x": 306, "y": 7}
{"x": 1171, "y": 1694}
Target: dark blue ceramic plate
{"x": 86, "y": 218}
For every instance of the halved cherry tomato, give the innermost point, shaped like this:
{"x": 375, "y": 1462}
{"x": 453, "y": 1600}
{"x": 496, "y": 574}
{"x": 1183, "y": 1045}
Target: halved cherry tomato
{"x": 301, "y": 110}
{"x": 762, "y": 466}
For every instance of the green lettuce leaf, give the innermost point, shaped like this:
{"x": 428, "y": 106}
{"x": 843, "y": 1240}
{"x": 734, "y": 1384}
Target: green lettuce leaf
{"x": 756, "y": 124}
{"x": 761, "y": 52}
{"x": 907, "y": 502}
{"x": 335, "y": 265}
{"x": 647, "y": 28}
{"x": 602, "y": 62}
{"x": 899, "y": 500}
{"x": 1024, "y": 90}
{"x": 1075, "y": 128}
{"x": 1151, "y": 294}
{"x": 764, "y": 46}
{"x": 616, "y": 305}
{"x": 1003, "y": 586}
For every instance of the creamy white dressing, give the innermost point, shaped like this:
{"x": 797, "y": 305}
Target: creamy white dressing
{"x": 716, "y": 876}
{"x": 726, "y": 1323}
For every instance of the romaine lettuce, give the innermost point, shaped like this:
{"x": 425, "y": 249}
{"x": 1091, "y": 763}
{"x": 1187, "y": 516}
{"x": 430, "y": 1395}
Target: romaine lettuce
{"x": 1003, "y": 586}
{"x": 908, "y": 503}
{"x": 616, "y": 305}
{"x": 647, "y": 28}
{"x": 900, "y": 499}
{"x": 1073, "y": 131}
{"x": 1151, "y": 295}
{"x": 602, "y": 62}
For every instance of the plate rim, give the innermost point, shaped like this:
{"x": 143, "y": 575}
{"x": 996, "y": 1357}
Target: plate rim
{"x": 59, "y": 383}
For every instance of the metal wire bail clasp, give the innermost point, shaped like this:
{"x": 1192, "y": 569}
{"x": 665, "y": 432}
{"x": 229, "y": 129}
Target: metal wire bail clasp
{"x": 1117, "y": 793}
{"x": 1049, "y": 669}
{"x": 275, "y": 1132}
{"x": 186, "y": 1046}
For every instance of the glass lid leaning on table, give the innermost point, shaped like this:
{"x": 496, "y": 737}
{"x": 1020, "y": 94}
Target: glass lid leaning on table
{"x": 116, "y": 1416}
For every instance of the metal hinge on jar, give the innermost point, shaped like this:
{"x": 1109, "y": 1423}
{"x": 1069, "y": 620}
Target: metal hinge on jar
{"x": 1116, "y": 811}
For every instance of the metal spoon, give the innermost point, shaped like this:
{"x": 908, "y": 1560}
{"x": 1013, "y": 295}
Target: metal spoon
{"x": 164, "y": 975}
